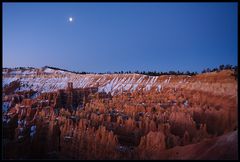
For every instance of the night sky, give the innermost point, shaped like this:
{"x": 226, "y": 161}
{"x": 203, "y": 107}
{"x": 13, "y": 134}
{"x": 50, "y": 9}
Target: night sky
{"x": 120, "y": 36}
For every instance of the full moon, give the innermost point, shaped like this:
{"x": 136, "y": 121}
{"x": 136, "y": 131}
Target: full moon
{"x": 70, "y": 19}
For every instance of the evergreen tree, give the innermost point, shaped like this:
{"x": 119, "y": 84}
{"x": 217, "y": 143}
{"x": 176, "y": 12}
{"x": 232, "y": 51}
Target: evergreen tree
{"x": 221, "y": 67}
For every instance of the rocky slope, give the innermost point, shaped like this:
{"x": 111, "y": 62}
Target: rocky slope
{"x": 49, "y": 80}
{"x": 139, "y": 116}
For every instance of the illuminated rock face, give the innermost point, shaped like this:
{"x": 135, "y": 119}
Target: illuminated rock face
{"x": 140, "y": 124}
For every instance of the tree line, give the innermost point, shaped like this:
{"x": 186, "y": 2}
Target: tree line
{"x": 151, "y": 73}
{"x": 155, "y": 73}
{"x": 221, "y": 67}
{"x": 158, "y": 73}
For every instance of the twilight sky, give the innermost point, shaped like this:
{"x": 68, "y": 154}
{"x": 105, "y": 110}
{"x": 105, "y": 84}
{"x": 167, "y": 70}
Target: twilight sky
{"x": 120, "y": 36}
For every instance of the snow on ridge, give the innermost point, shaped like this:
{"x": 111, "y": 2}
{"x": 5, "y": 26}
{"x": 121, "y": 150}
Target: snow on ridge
{"x": 28, "y": 72}
{"x": 48, "y": 70}
{"x": 159, "y": 87}
{"x": 113, "y": 83}
{"x": 48, "y": 84}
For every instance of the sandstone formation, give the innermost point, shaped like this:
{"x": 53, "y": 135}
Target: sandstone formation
{"x": 184, "y": 118}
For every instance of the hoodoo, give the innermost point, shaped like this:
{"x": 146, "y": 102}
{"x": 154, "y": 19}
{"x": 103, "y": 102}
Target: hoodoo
{"x": 74, "y": 116}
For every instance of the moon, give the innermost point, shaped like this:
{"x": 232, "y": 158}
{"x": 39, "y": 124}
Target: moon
{"x": 70, "y": 19}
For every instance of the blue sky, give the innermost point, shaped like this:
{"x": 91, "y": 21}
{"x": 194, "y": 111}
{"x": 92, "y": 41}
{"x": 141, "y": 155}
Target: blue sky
{"x": 120, "y": 36}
